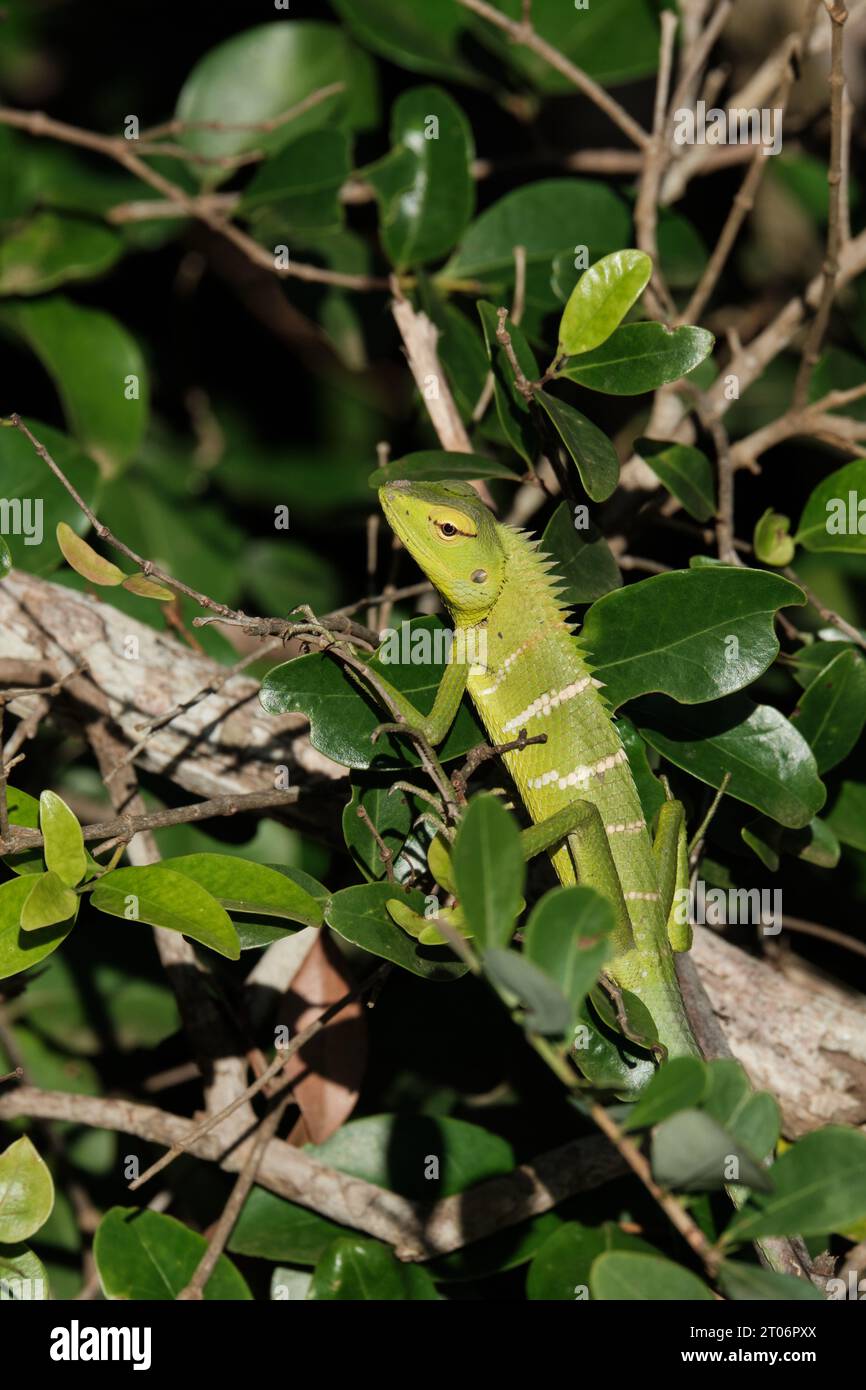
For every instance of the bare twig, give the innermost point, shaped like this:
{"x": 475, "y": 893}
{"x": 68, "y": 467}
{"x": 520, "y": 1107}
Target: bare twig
{"x": 646, "y": 208}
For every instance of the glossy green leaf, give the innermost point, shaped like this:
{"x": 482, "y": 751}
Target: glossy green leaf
{"x": 97, "y": 368}
{"x": 589, "y": 448}
{"x": 52, "y": 248}
{"x": 244, "y": 886}
{"x": 49, "y": 902}
{"x": 545, "y": 1008}
{"x": 20, "y": 949}
{"x": 819, "y": 1185}
{"x": 167, "y": 899}
{"x": 809, "y": 661}
{"x": 679, "y": 1085}
{"x": 649, "y": 788}
{"x": 359, "y": 915}
{"x": 614, "y": 42}
{"x": 639, "y": 357}
{"x": 362, "y": 1270}
{"x": 584, "y": 562}
{"x": 26, "y": 1192}
{"x": 343, "y": 718}
{"x": 544, "y": 217}
{"x": 627, "y": 1277}
{"x": 567, "y": 936}
{"x": 832, "y": 711}
{"x": 263, "y": 73}
{"x": 437, "y": 465}
{"x": 692, "y": 634}
{"x": 834, "y": 517}
{"x": 601, "y": 299}
{"x": 64, "y": 843}
{"x": 692, "y": 1152}
{"x": 771, "y": 765}
{"x": 740, "y": 1281}
{"x": 146, "y": 1255}
{"x": 686, "y": 473}
{"x": 421, "y": 35}
{"x": 607, "y": 1059}
{"x": 773, "y": 545}
{"x": 489, "y": 870}
{"x": 425, "y": 186}
{"x": 560, "y": 1269}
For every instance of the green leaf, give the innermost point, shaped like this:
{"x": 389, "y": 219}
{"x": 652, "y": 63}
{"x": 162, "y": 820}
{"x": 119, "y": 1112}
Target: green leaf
{"x": 773, "y": 545}
{"x": 544, "y": 217}
{"x": 677, "y": 1086}
{"x": 751, "y": 1116}
{"x": 834, "y": 517}
{"x": 583, "y": 558}
{"x": 591, "y": 451}
{"x": 315, "y": 163}
{"x": 819, "y": 1185}
{"x": 682, "y": 252}
{"x": 166, "y": 899}
{"x": 391, "y": 1151}
{"x": 560, "y": 1269}
{"x": 809, "y": 661}
{"x": 607, "y": 1059}
{"x": 489, "y": 870}
{"x": 343, "y": 718}
{"x": 567, "y": 937}
{"x": 23, "y": 1276}
{"x": 421, "y": 35}
{"x": 49, "y": 902}
{"x": 640, "y": 357}
{"x": 64, "y": 843}
{"x": 649, "y": 788}
{"x": 265, "y": 72}
{"x": 614, "y": 42}
{"x": 20, "y": 949}
{"x": 832, "y": 710}
{"x": 282, "y": 573}
{"x": 686, "y": 473}
{"x": 771, "y": 764}
{"x": 390, "y": 817}
{"x": 425, "y": 186}
{"x": 146, "y": 1255}
{"x": 546, "y": 1009}
{"x": 740, "y": 1281}
{"x": 244, "y": 886}
{"x": 673, "y": 633}
{"x": 26, "y": 1192}
{"x": 52, "y": 248}
{"x": 621, "y": 1275}
{"x": 359, "y": 915}
{"x": 692, "y": 1152}
{"x": 358, "y": 1269}
{"x": 512, "y": 408}
{"x": 601, "y": 299}
{"x": 97, "y": 368}
{"x": 847, "y": 819}
{"x": 435, "y": 465}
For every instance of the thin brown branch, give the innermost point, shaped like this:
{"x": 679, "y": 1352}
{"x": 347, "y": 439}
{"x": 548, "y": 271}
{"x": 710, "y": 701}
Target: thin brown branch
{"x": 524, "y": 34}
{"x": 838, "y": 13}
{"x": 646, "y": 208}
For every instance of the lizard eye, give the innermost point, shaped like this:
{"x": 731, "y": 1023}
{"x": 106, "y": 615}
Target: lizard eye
{"x": 448, "y": 528}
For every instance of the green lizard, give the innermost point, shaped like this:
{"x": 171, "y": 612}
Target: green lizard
{"x": 533, "y": 674}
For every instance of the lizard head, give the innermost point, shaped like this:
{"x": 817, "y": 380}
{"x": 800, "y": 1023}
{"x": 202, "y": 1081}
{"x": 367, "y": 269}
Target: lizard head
{"x": 451, "y": 534}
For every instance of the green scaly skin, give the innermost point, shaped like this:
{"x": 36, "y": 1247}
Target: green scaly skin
{"x": 500, "y": 589}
